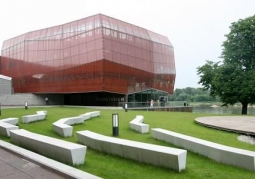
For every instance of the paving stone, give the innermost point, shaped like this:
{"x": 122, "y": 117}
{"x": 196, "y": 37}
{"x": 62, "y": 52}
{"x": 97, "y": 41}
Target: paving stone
{"x": 7, "y": 170}
{"x": 19, "y": 175}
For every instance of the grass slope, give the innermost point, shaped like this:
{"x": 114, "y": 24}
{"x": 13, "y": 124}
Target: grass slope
{"x": 108, "y": 166}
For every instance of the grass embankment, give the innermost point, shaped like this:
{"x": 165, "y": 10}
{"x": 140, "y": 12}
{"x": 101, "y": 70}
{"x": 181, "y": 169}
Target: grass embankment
{"x": 108, "y": 166}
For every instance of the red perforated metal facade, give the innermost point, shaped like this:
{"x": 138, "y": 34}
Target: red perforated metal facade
{"x": 94, "y": 54}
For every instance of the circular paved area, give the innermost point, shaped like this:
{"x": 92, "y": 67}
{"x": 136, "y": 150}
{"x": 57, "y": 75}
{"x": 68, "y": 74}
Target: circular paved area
{"x": 239, "y": 124}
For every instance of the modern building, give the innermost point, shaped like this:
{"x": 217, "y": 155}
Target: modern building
{"x": 97, "y": 60}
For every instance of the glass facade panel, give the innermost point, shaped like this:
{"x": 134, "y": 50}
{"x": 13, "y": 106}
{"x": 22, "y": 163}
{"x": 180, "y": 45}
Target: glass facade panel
{"x": 115, "y": 46}
{"x": 83, "y": 48}
{"x": 100, "y": 52}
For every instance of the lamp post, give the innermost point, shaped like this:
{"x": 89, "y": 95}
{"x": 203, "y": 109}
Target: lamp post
{"x": 26, "y": 105}
{"x": 126, "y": 107}
{"x": 0, "y": 110}
{"x": 115, "y": 124}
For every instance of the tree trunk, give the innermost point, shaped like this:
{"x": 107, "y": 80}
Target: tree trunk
{"x": 244, "y": 108}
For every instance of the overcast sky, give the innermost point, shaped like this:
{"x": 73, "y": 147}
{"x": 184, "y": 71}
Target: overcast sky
{"x": 196, "y": 28}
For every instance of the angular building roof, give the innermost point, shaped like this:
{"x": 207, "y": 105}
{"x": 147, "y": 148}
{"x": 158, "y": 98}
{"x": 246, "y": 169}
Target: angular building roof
{"x": 86, "y": 24}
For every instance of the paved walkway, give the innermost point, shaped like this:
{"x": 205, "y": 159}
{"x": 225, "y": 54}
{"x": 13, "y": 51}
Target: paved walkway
{"x": 19, "y": 163}
{"x": 238, "y": 124}
{"x": 13, "y": 166}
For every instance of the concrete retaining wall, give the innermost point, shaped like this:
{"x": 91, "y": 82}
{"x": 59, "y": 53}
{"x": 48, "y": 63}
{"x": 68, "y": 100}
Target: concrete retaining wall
{"x": 19, "y": 99}
{"x": 5, "y": 85}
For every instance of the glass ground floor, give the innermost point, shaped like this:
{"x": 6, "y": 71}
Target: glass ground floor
{"x": 143, "y": 98}
{"x": 137, "y": 99}
{"x": 94, "y": 99}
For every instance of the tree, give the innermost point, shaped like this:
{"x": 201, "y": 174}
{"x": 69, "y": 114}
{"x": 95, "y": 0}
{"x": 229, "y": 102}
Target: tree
{"x": 233, "y": 79}
{"x": 191, "y": 94}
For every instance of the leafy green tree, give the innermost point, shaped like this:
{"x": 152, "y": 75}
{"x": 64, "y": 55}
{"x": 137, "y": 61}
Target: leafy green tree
{"x": 183, "y": 97}
{"x": 189, "y": 90}
{"x": 177, "y": 91}
{"x": 191, "y": 94}
{"x": 233, "y": 79}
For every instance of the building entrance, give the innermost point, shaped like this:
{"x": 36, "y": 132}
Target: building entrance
{"x": 143, "y": 98}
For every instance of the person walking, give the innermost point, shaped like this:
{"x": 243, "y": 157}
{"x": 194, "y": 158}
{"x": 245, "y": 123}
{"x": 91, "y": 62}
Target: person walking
{"x": 152, "y": 103}
{"x": 47, "y": 101}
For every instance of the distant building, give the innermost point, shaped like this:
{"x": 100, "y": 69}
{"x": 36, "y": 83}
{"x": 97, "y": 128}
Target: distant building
{"x": 97, "y": 60}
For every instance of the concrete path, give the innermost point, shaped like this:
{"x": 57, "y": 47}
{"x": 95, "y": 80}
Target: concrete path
{"x": 13, "y": 166}
{"x": 16, "y": 162}
{"x": 238, "y": 124}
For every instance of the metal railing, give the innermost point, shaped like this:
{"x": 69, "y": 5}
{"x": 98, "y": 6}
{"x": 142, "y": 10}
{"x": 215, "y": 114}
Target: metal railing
{"x": 155, "y": 104}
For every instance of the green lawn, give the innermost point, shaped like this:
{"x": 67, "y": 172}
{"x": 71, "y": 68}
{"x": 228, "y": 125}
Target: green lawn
{"x": 108, "y": 166}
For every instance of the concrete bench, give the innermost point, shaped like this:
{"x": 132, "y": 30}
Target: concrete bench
{"x": 63, "y": 151}
{"x": 138, "y": 125}
{"x": 8, "y": 124}
{"x": 220, "y": 153}
{"x": 41, "y": 112}
{"x": 33, "y": 117}
{"x": 63, "y": 126}
{"x": 85, "y": 116}
{"x": 11, "y": 120}
{"x": 93, "y": 114}
{"x": 143, "y": 152}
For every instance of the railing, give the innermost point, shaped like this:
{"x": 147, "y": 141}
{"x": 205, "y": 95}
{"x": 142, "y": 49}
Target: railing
{"x": 155, "y": 104}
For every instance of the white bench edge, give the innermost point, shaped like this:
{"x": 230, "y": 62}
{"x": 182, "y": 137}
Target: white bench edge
{"x": 143, "y": 152}
{"x": 138, "y": 125}
{"x": 220, "y": 153}
{"x": 58, "y": 149}
{"x": 8, "y": 124}
{"x": 63, "y": 126}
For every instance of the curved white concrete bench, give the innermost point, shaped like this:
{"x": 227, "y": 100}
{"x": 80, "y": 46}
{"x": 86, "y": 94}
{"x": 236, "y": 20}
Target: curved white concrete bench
{"x": 93, "y": 114}
{"x": 138, "y": 125}
{"x": 220, "y": 153}
{"x": 40, "y": 115}
{"x": 63, "y": 126}
{"x": 11, "y": 120}
{"x": 143, "y": 152}
{"x": 8, "y": 124}
{"x": 85, "y": 116}
{"x": 63, "y": 151}
{"x": 41, "y": 112}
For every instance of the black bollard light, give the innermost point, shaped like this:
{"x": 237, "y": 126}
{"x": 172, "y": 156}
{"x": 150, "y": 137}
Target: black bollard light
{"x": 26, "y": 105}
{"x": 115, "y": 124}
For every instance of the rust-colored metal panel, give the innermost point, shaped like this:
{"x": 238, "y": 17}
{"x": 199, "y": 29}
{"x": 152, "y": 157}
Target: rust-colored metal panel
{"x": 97, "y": 53}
